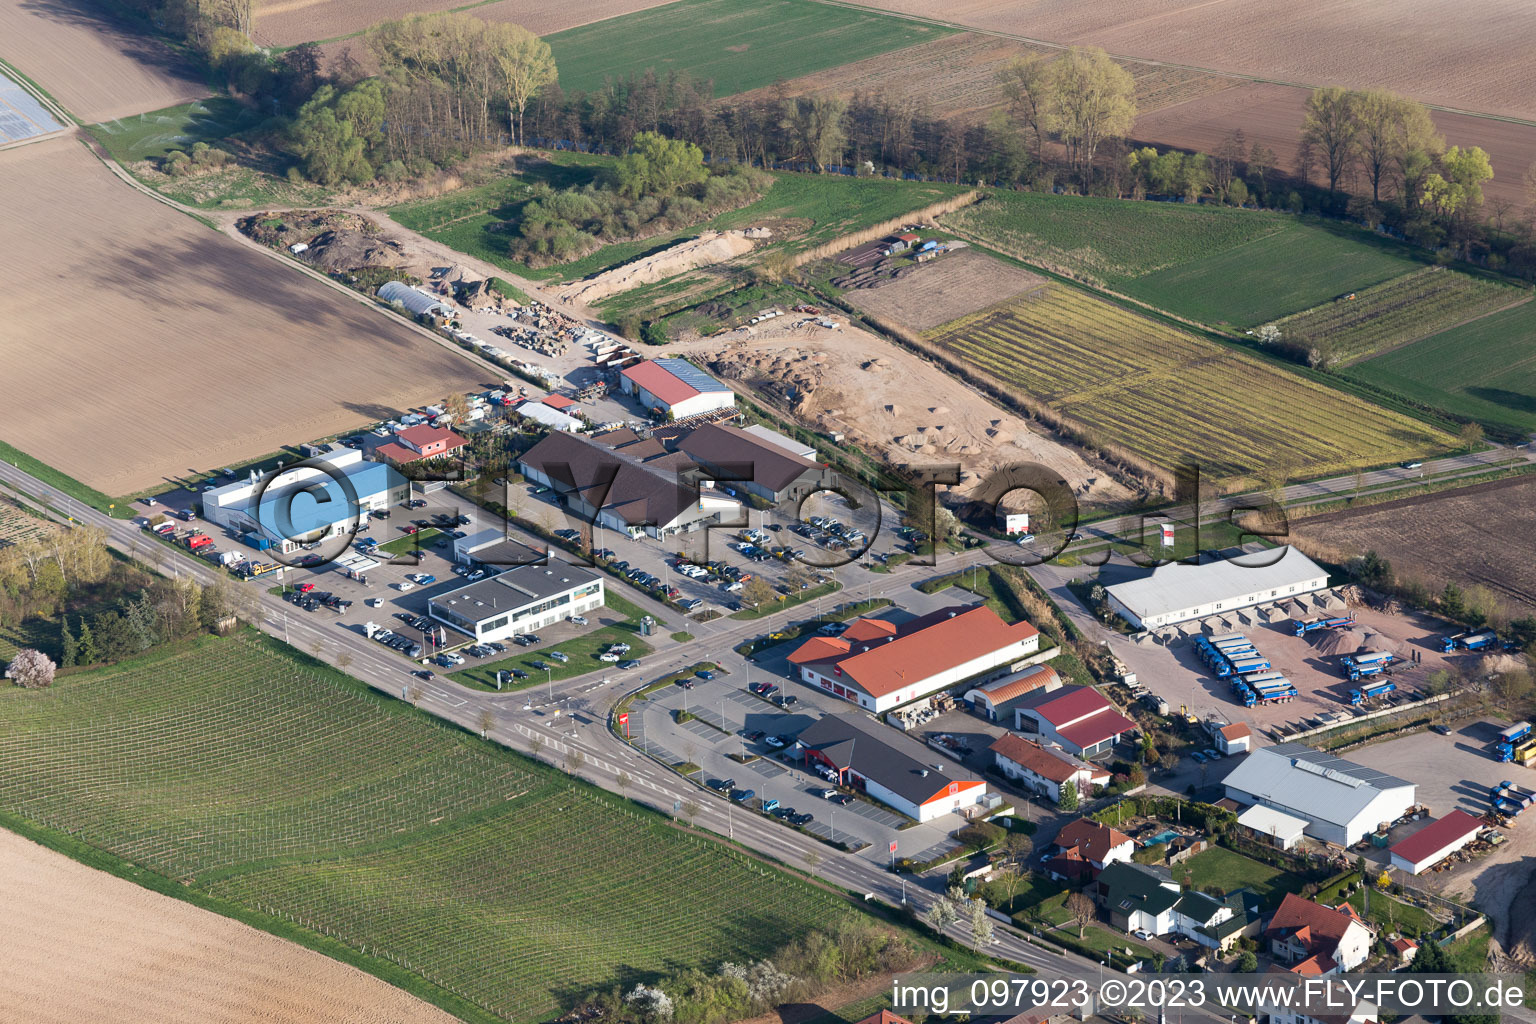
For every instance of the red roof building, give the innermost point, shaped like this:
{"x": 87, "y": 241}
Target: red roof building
{"x": 880, "y": 665}
{"x": 1084, "y": 848}
{"x": 1236, "y": 738}
{"x": 1079, "y": 718}
{"x": 1045, "y": 770}
{"x": 1435, "y": 842}
{"x": 1318, "y": 939}
{"x": 559, "y": 402}
{"x": 421, "y": 442}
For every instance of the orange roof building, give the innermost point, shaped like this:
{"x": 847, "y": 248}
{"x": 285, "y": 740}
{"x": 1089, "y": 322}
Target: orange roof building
{"x": 1316, "y": 939}
{"x": 879, "y": 665}
{"x": 1045, "y": 770}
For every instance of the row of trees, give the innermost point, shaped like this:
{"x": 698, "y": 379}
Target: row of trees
{"x": 450, "y": 84}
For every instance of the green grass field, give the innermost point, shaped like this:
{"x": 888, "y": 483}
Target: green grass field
{"x": 832, "y": 204}
{"x": 153, "y": 135}
{"x": 1397, "y": 312}
{"x": 253, "y": 775}
{"x": 582, "y": 650}
{"x": 1217, "y": 265}
{"x": 738, "y": 44}
{"x": 1232, "y": 871}
{"x": 1168, "y": 395}
{"x": 1484, "y": 370}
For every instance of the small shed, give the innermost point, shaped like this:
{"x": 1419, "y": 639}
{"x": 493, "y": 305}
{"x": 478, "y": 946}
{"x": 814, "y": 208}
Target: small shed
{"x": 1435, "y": 842}
{"x": 1271, "y": 826}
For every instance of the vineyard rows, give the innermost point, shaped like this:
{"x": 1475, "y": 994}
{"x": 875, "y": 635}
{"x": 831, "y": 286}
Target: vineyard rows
{"x": 1168, "y": 395}
{"x": 253, "y": 779}
{"x": 1399, "y": 311}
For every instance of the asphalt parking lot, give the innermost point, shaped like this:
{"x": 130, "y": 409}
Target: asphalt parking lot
{"x": 725, "y": 714}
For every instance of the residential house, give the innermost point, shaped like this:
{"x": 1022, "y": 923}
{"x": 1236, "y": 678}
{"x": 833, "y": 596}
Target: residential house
{"x": 1084, "y": 848}
{"x": 1318, "y": 940}
{"x": 1045, "y": 770}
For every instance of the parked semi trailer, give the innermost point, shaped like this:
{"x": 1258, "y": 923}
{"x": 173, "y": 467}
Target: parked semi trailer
{"x": 1366, "y": 663}
{"x": 1509, "y": 739}
{"x": 1305, "y": 626}
{"x": 1222, "y": 643}
{"x": 1475, "y": 641}
{"x": 1249, "y": 666}
{"x": 1365, "y": 693}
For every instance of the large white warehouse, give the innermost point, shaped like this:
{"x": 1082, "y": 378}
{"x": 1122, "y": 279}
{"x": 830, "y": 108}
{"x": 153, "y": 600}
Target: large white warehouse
{"x": 1341, "y": 801}
{"x": 1176, "y": 593}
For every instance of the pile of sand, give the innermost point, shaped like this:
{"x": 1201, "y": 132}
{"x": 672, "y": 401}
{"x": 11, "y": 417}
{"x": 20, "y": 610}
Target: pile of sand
{"x": 709, "y": 248}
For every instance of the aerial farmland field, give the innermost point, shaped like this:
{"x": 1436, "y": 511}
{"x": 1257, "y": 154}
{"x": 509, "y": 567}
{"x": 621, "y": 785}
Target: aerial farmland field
{"x": 956, "y": 76}
{"x": 232, "y": 354}
{"x": 1400, "y": 311}
{"x": 1475, "y": 61}
{"x": 97, "y": 67}
{"x": 143, "y": 948}
{"x": 1484, "y": 370}
{"x": 499, "y": 885}
{"x": 288, "y": 22}
{"x": 739, "y": 44}
{"x": 1217, "y": 265}
{"x": 1168, "y": 395}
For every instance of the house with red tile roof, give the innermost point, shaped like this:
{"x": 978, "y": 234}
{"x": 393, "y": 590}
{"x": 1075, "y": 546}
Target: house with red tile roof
{"x": 1077, "y": 718}
{"x": 1084, "y": 848}
{"x": 1318, "y": 940}
{"x": 879, "y": 665}
{"x": 420, "y": 442}
{"x": 1236, "y": 738}
{"x": 1044, "y": 769}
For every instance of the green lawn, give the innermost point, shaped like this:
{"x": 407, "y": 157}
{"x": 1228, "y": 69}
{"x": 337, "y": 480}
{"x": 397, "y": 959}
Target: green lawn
{"x": 239, "y": 771}
{"x": 1232, "y": 871}
{"x": 834, "y": 205}
{"x": 582, "y": 650}
{"x": 1484, "y": 370}
{"x": 738, "y": 44}
{"x": 788, "y": 601}
{"x": 410, "y": 542}
{"x": 153, "y": 135}
{"x": 1217, "y": 265}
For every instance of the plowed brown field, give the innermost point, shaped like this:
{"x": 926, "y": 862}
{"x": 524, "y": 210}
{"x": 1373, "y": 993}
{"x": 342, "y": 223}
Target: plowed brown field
{"x": 84, "y": 945}
{"x": 96, "y": 68}
{"x": 1272, "y": 114}
{"x": 957, "y": 77}
{"x": 1474, "y": 55}
{"x": 286, "y": 22}
{"x": 142, "y": 345}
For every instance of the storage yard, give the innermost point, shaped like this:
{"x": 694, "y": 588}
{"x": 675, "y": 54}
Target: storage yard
{"x": 1483, "y": 535}
{"x": 890, "y": 401}
{"x": 99, "y": 69}
{"x": 1167, "y": 395}
{"x": 157, "y": 369}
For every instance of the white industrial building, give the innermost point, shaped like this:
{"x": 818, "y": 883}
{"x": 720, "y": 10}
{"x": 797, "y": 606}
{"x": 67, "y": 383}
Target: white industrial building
{"x": 1341, "y": 801}
{"x": 675, "y": 388}
{"x": 305, "y": 504}
{"x": 519, "y": 600}
{"x": 1176, "y": 593}
{"x": 414, "y": 300}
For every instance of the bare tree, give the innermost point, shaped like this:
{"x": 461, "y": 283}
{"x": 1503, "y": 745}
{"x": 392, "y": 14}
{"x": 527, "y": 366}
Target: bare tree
{"x": 344, "y": 660}
{"x": 1028, "y": 84}
{"x": 623, "y": 781}
{"x": 487, "y": 722}
{"x": 1331, "y": 126}
{"x": 813, "y": 859}
{"x": 574, "y": 760}
{"x": 691, "y": 810}
{"x": 1082, "y": 910}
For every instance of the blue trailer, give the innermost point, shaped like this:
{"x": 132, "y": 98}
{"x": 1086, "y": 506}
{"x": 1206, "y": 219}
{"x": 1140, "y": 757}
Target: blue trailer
{"x": 1511, "y": 799}
{"x": 1366, "y": 663}
{"x": 1250, "y": 666}
{"x": 1479, "y": 641}
{"x": 1217, "y": 639}
{"x": 1509, "y": 739}
{"x": 1261, "y": 678}
{"x": 1305, "y": 626}
{"x": 1365, "y": 693}
{"x": 256, "y": 541}
{"x": 1229, "y": 640}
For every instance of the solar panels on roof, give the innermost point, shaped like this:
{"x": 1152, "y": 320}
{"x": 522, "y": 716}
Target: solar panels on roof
{"x": 691, "y": 375}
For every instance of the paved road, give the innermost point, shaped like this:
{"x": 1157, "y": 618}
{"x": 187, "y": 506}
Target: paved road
{"x": 581, "y": 742}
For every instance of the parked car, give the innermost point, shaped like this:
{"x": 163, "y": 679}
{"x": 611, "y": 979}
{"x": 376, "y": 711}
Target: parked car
{"x": 630, "y": 663}
{"x": 560, "y": 656}
{"x": 608, "y": 656}
{"x": 842, "y": 799}
{"x": 405, "y": 586}
{"x": 579, "y": 620}
{"x": 776, "y": 742}
{"x": 802, "y": 819}
{"x": 828, "y": 794}
{"x": 1198, "y": 756}
{"x": 424, "y": 579}
{"x": 705, "y": 674}
{"x": 1443, "y": 730}
{"x": 744, "y": 795}
{"x": 769, "y": 806}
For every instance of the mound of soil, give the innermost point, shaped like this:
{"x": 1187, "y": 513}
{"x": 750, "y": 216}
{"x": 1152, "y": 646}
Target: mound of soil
{"x": 337, "y": 240}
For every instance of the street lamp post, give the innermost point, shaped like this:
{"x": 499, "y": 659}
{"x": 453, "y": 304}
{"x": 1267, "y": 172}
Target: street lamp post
{"x": 549, "y": 677}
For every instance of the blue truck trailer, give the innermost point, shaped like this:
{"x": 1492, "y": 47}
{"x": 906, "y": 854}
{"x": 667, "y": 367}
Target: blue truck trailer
{"x": 1365, "y": 693}
{"x": 1305, "y": 626}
